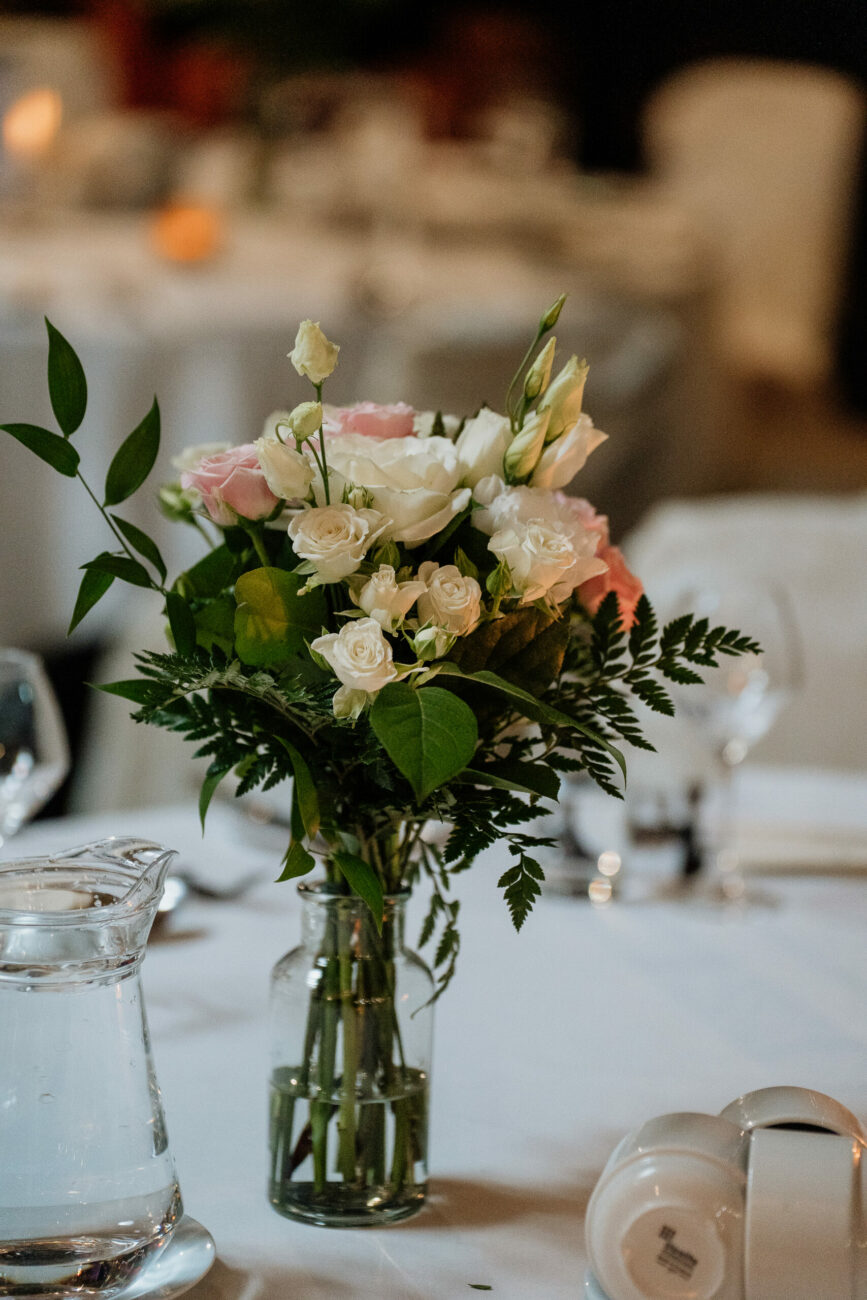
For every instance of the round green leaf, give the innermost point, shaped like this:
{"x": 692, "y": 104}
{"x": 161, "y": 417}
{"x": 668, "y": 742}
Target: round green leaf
{"x": 429, "y": 734}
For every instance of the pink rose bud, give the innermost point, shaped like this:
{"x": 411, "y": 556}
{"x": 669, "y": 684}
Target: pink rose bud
{"x": 371, "y": 420}
{"x": 618, "y": 579}
{"x": 232, "y": 484}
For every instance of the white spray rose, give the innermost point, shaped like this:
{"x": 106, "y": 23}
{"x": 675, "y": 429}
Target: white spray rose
{"x": 414, "y": 482}
{"x": 385, "y": 599}
{"x": 335, "y": 539}
{"x": 313, "y": 355}
{"x": 561, "y": 460}
{"x": 481, "y": 446}
{"x": 192, "y": 457}
{"x": 361, "y": 659}
{"x": 450, "y": 601}
{"x": 564, "y": 396}
{"x": 304, "y": 420}
{"x": 548, "y": 549}
{"x": 287, "y": 471}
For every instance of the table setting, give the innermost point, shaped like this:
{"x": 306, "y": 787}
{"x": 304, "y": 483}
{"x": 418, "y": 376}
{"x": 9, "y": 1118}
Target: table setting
{"x": 411, "y": 758}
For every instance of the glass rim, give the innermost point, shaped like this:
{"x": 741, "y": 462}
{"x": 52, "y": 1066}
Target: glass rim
{"x": 323, "y": 891}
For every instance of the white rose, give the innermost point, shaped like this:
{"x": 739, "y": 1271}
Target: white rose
{"x": 313, "y": 355}
{"x": 360, "y": 658}
{"x": 192, "y": 457}
{"x": 450, "y": 600}
{"x": 335, "y": 539}
{"x": 423, "y": 423}
{"x": 287, "y": 472}
{"x": 481, "y": 446}
{"x": 386, "y": 600}
{"x": 561, "y": 460}
{"x": 564, "y": 396}
{"x": 413, "y": 481}
{"x": 548, "y": 549}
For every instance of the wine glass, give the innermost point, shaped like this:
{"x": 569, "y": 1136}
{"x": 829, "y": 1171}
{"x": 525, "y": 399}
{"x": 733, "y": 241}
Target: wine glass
{"x": 34, "y": 755}
{"x": 736, "y": 706}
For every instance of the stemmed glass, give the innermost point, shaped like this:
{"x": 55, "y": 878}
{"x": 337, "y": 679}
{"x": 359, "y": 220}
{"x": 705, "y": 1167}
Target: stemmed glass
{"x": 738, "y": 704}
{"x": 34, "y": 755}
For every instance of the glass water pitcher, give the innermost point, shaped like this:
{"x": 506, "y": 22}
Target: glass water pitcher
{"x": 87, "y": 1181}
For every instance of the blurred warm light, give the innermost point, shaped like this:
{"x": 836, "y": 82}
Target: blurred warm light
{"x": 608, "y": 863}
{"x": 187, "y": 232}
{"x": 600, "y": 892}
{"x": 31, "y": 123}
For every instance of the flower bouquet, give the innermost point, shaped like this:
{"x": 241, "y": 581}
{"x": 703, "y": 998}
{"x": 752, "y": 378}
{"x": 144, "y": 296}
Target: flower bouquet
{"x": 405, "y": 616}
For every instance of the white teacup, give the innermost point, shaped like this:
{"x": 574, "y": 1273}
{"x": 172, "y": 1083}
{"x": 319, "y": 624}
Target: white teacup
{"x": 792, "y": 1107}
{"x": 803, "y": 1221}
{"x": 665, "y": 1221}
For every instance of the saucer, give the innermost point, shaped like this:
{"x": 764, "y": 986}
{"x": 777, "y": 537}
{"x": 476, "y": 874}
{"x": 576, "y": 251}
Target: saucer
{"x": 179, "y": 1265}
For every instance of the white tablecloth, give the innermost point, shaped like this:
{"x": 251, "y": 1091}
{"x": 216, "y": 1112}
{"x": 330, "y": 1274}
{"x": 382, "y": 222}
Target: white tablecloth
{"x": 550, "y": 1045}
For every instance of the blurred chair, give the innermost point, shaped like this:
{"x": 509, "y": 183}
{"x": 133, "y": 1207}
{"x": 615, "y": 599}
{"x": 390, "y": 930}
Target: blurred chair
{"x": 810, "y": 547}
{"x": 763, "y": 154}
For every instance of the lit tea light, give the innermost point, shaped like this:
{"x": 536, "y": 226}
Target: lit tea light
{"x": 608, "y": 863}
{"x": 30, "y": 125}
{"x": 187, "y": 232}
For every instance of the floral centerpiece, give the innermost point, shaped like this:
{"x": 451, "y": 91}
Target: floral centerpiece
{"x": 405, "y": 615}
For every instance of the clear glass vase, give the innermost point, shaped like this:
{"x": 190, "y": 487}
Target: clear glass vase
{"x": 352, "y": 1025}
{"x": 87, "y": 1182}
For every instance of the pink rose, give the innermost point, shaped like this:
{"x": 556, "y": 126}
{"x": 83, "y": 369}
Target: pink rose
{"x": 586, "y": 515}
{"x": 371, "y": 420}
{"x": 232, "y": 484}
{"x": 618, "y": 579}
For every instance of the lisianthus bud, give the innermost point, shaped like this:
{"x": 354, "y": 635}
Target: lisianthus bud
{"x": 552, "y": 315}
{"x": 540, "y": 372}
{"x": 313, "y": 355}
{"x": 522, "y": 456}
{"x": 305, "y": 420}
{"x": 564, "y": 396}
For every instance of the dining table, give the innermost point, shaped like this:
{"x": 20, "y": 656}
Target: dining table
{"x": 550, "y": 1045}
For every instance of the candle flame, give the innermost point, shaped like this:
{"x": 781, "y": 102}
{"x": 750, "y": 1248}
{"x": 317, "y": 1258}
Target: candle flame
{"x": 31, "y": 123}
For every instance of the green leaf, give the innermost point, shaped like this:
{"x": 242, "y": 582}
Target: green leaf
{"x": 272, "y": 622}
{"x": 140, "y": 542}
{"x": 47, "y": 446}
{"x": 67, "y": 386}
{"x": 535, "y": 709}
{"x": 296, "y": 862}
{"x": 134, "y": 459}
{"x": 528, "y": 778}
{"x": 363, "y": 881}
{"x": 134, "y": 689}
{"x": 215, "y": 625}
{"x": 121, "y": 566}
{"x": 522, "y": 888}
{"x": 429, "y": 734}
{"x": 213, "y": 777}
{"x": 93, "y": 587}
{"x": 182, "y": 623}
{"x": 211, "y": 575}
{"x": 305, "y": 789}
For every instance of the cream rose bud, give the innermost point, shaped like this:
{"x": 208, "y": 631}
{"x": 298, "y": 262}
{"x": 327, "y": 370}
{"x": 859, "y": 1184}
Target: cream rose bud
{"x": 432, "y": 642}
{"x": 564, "y": 396}
{"x": 540, "y": 372}
{"x": 358, "y": 655}
{"x": 526, "y": 447}
{"x": 335, "y": 539}
{"x": 450, "y": 601}
{"x": 561, "y": 460}
{"x": 313, "y": 355}
{"x": 287, "y": 472}
{"x": 481, "y": 446}
{"x": 386, "y": 600}
{"x": 305, "y": 420}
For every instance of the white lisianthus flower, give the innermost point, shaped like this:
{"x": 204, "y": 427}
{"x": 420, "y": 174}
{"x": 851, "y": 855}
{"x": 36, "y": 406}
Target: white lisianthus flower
{"x": 386, "y": 600}
{"x": 548, "y": 549}
{"x": 450, "y": 600}
{"x": 526, "y": 447}
{"x": 192, "y": 457}
{"x": 287, "y": 471}
{"x": 561, "y": 460}
{"x": 414, "y": 482}
{"x": 360, "y": 658}
{"x": 335, "y": 539}
{"x": 313, "y": 355}
{"x": 481, "y": 446}
{"x": 564, "y": 396}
